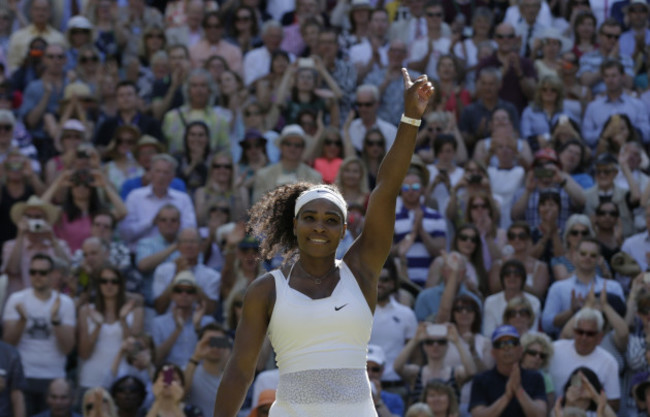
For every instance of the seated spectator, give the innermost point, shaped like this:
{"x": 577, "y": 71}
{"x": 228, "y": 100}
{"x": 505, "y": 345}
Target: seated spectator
{"x": 367, "y": 103}
{"x": 549, "y": 44}
{"x": 637, "y": 247}
{"x": 82, "y": 190}
{"x": 135, "y": 358}
{"x": 212, "y": 43}
{"x": 40, "y": 322}
{"x": 72, "y": 135}
{"x": 577, "y": 227}
{"x": 104, "y": 324}
{"x": 614, "y": 101}
{"x": 568, "y": 296}
{"x": 254, "y": 152}
{"x": 129, "y": 393}
{"x": 434, "y": 340}
{"x": 290, "y": 168}
{"x": 484, "y": 214}
{"x": 103, "y": 227}
{"x": 205, "y": 368}
{"x": 513, "y": 281}
{"x": 474, "y": 181}
{"x": 175, "y": 332}
{"x": 606, "y": 168}
{"x": 439, "y": 299}
{"x": 538, "y": 352}
{"x": 352, "y": 180}
{"x": 375, "y": 368}
{"x": 34, "y": 219}
{"x": 519, "y": 314}
{"x": 572, "y": 156}
{"x": 258, "y": 62}
{"x": 607, "y": 231}
{"x": 168, "y": 395}
{"x": 146, "y": 148}
{"x": 584, "y": 351}
{"x": 547, "y": 241}
{"x": 143, "y": 203}
{"x": 617, "y": 131}
{"x": 484, "y": 151}
{"x": 537, "y": 274}
{"x": 373, "y": 150}
{"x": 584, "y": 391}
{"x": 193, "y": 160}
{"x": 97, "y": 401}
{"x": 420, "y": 232}
{"x": 13, "y": 381}
{"x": 584, "y": 31}
{"x": 633, "y": 161}
{"x": 327, "y": 153}
{"x": 445, "y": 172}
{"x": 122, "y": 165}
{"x": 507, "y": 389}
{"x": 207, "y": 280}
{"x": 13, "y": 140}
{"x": 440, "y": 397}
{"x": 60, "y": 396}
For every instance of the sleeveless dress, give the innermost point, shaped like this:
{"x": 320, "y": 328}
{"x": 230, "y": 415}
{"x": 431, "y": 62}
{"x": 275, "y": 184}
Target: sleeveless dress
{"x": 321, "y": 347}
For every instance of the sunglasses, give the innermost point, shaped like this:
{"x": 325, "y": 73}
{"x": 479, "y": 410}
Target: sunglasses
{"x": 592, "y": 255}
{"x": 329, "y": 142}
{"x": 588, "y": 333}
{"x": 86, "y": 59}
{"x": 521, "y": 312}
{"x": 57, "y": 56}
{"x": 431, "y": 342}
{"x": 6, "y": 128}
{"x": 254, "y": 145}
{"x": 520, "y": 236}
{"x": 478, "y": 206}
{"x": 121, "y": 141}
{"x": 297, "y": 145}
{"x": 219, "y": 166}
{"x": 500, "y": 36}
{"x": 414, "y": 187}
{"x": 611, "y": 213}
{"x": 463, "y": 309}
{"x": 365, "y": 103}
{"x": 111, "y": 281}
{"x": 252, "y": 113}
{"x": 217, "y": 26}
{"x": 41, "y": 272}
{"x": 155, "y": 35}
{"x": 610, "y": 35}
{"x": 377, "y": 143}
{"x": 190, "y": 291}
{"x": 500, "y": 344}
{"x": 579, "y": 232}
{"x": 467, "y": 238}
{"x": 78, "y": 31}
{"x": 537, "y": 353}
{"x": 434, "y": 14}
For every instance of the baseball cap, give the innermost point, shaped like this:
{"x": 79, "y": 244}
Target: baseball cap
{"x": 185, "y": 278}
{"x": 503, "y": 331}
{"x": 249, "y": 242}
{"x": 75, "y": 125}
{"x": 376, "y": 355}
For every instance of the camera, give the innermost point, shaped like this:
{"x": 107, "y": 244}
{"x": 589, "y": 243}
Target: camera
{"x": 306, "y": 63}
{"x": 437, "y": 330}
{"x": 541, "y": 172}
{"x": 36, "y": 225}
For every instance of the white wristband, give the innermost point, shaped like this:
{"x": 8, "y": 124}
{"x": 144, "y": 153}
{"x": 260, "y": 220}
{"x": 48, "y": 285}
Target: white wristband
{"x": 410, "y": 121}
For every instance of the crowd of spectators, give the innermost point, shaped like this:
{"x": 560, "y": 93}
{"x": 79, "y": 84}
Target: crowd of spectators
{"x": 136, "y": 134}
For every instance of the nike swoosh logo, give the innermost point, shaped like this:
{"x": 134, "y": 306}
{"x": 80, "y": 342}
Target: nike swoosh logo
{"x": 338, "y": 308}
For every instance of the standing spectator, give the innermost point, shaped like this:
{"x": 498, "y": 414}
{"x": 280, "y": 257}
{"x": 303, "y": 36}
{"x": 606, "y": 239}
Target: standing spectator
{"x": 529, "y": 27}
{"x": 367, "y": 105}
{"x": 414, "y": 26}
{"x": 518, "y": 73}
{"x": 507, "y": 389}
{"x": 143, "y": 203}
{"x": 538, "y": 351}
{"x": 289, "y": 169}
{"x": 175, "y": 332}
{"x": 39, "y": 12}
{"x": 615, "y": 101}
{"x": 60, "y": 396}
{"x": 566, "y": 297}
{"x": 40, "y": 322}
{"x": 394, "y": 324}
{"x": 584, "y": 31}
{"x": 128, "y": 113}
{"x": 591, "y": 73}
{"x": 205, "y": 367}
{"x": 372, "y": 51}
{"x": 214, "y": 44}
{"x": 12, "y": 382}
{"x": 342, "y": 70}
{"x": 207, "y": 280}
{"x": 167, "y": 93}
{"x": 584, "y": 351}
{"x": 257, "y": 62}
{"x": 34, "y": 219}
{"x": 425, "y": 52}
{"x": 633, "y": 42}
{"x": 420, "y": 232}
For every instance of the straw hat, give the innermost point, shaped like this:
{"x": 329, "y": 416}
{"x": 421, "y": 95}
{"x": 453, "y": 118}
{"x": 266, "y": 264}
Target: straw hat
{"x": 18, "y": 209}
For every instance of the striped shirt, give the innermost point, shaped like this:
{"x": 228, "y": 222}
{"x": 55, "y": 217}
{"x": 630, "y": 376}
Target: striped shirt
{"x": 418, "y": 257}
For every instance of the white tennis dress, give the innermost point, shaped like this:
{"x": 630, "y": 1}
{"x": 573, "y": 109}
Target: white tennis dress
{"x": 321, "y": 348}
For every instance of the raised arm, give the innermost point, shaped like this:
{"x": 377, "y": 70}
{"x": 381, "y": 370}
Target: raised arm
{"x": 368, "y": 253}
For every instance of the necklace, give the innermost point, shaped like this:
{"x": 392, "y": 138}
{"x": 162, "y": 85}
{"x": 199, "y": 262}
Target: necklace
{"x": 317, "y": 280}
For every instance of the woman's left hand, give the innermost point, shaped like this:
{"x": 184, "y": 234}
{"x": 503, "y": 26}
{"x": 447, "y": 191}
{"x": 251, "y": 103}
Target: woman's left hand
{"x": 416, "y": 95}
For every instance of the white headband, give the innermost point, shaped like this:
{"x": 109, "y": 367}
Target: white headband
{"x": 321, "y": 192}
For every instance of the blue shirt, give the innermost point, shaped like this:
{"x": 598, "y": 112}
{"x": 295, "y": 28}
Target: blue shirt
{"x": 590, "y": 62}
{"x": 428, "y": 301}
{"x": 559, "y": 297}
{"x": 627, "y": 43}
{"x": 183, "y": 348}
{"x": 133, "y": 183}
{"x": 535, "y": 122}
{"x": 602, "y": 108}
{"x": 393, "y": 402}
{"x": 147, "y": 247}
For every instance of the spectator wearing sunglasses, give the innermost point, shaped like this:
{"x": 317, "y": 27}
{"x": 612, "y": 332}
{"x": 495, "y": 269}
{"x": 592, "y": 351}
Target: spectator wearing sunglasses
{"x": 538, "y": 351}
{"x": 507, "y": 389}
{"x": 420, "y": 232}
{"x": 383, "y": 400}
{"x": 607, "y": 231}
{"x": 584, "y": 350}
{"x": 567, "y": 296}
{"x": 175, "y": 333}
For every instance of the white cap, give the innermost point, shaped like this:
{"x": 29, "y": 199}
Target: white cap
{"x": 376, "y": 355}
{"x": 79, "y": 22}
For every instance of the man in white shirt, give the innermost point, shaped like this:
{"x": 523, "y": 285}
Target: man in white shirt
{"x": 257, "y": 62}
{"x": 394, "y": 324}
{"x": 367, "y": 104}
{"x": 191, "y": 32}
{"x": 584, "y": 351}
{"x": 638, "y": 246}
{"x": 426, "y": 51}
{"x": 372, "y": 52}
{"x": 144, "y": 203}
{"x": 41, "y": 323}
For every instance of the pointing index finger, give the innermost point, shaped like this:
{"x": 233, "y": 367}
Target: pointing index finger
{"x": 407, "y": 78}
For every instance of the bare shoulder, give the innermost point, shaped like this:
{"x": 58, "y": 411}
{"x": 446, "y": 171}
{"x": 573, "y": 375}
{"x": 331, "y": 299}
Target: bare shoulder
{"x": 261, "y": 293}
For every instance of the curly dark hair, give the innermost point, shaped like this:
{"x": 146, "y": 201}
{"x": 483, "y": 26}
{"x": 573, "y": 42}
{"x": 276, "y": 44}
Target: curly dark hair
{"x": 271, "y": 220}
